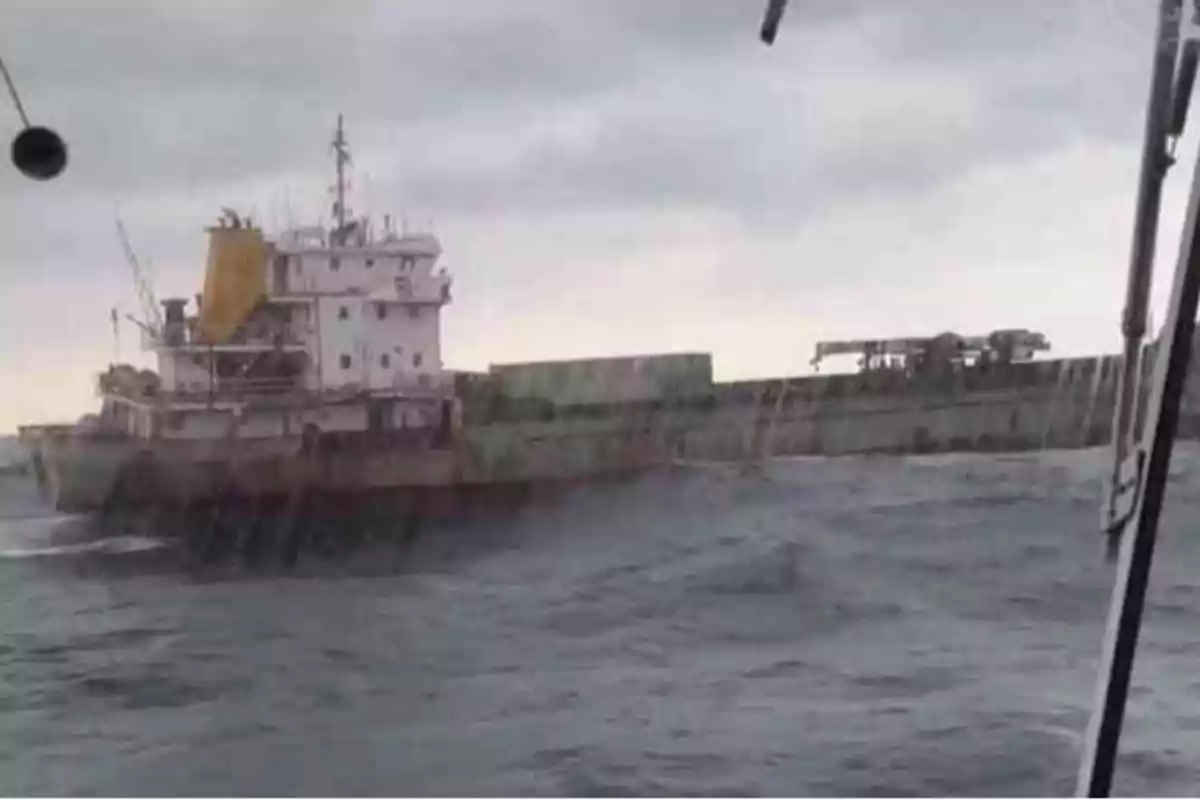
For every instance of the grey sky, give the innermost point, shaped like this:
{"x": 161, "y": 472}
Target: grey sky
{"x": 618, "y": 176}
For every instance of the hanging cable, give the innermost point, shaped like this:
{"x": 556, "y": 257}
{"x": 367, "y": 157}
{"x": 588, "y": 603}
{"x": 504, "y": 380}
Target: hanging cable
{"x": 12, "y": 92}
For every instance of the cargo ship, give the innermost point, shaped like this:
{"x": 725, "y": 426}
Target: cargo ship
{"x": 311, "y": 364}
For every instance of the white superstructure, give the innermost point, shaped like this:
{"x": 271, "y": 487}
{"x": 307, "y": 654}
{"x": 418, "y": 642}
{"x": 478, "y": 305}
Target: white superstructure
{"x": 338, "y": 328}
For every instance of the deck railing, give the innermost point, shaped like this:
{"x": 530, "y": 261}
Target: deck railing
{"x": 424, "y": 383}
{"x": 237, "y": 388}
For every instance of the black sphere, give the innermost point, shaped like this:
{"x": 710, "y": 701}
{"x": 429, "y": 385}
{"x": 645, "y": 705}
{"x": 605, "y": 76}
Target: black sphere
{"x": 39, "y": 153}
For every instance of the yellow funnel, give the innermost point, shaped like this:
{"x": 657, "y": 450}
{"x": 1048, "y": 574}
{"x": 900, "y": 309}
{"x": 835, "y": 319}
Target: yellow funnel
{"x": 234, "y": 283}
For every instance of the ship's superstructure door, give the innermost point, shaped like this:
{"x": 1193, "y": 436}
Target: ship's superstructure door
{"x": 279, "y": 275}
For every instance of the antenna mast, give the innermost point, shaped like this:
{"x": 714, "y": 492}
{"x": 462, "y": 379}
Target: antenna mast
{"x": 342, "y": 158}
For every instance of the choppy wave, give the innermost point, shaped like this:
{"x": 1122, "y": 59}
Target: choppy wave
{"x": 925, "y": 626}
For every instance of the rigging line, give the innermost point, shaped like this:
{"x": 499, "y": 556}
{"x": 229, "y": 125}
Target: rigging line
{"x": 12, "y": 91}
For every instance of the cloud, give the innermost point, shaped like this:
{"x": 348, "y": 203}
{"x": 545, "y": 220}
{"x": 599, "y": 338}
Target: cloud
{"x": 605, "y": 176}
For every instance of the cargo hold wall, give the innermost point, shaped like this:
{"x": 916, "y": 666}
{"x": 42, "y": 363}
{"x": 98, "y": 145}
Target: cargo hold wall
{"x": 607, "y": 380}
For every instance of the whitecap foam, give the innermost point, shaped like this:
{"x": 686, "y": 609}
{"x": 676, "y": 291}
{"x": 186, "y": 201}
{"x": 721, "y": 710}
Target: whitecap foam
{"x": 116, "y": 545}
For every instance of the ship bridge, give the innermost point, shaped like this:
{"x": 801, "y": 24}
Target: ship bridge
{"x": 340, "y": 314}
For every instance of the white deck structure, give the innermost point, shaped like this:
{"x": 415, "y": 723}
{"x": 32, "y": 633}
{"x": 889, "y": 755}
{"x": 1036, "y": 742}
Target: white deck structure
{"x": 346, "y": 337}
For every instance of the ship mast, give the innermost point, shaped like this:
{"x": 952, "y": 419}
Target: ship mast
{"x": 342, "y": 158}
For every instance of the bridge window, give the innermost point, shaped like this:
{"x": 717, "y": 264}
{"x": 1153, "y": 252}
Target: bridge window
{"x": 417, "y": 359}
{"x": 380, "y": 311}
{"x": 385, "y": 361}
{"x": 343, "y": 313}
{"x": 335, "y": 263}
{"x": 408, "y": 262}
{"x": 370, "y": 262}
{"x": 414, "y": 312}
{"x": 345, "y": 361}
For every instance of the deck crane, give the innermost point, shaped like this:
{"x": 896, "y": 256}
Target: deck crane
{"x": 151, "y": 322}
{"x": 1142, "y": 459}
{"x": 1001, "y": 346}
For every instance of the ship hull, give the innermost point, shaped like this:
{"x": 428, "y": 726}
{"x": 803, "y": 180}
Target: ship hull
{"x": 83, "y": 472}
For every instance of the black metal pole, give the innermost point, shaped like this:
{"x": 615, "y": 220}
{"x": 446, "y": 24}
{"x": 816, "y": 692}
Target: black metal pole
{"x": 770, "y": 25}
{"x": 1137, "y": 550}
{"x": 1155, "y": 161}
